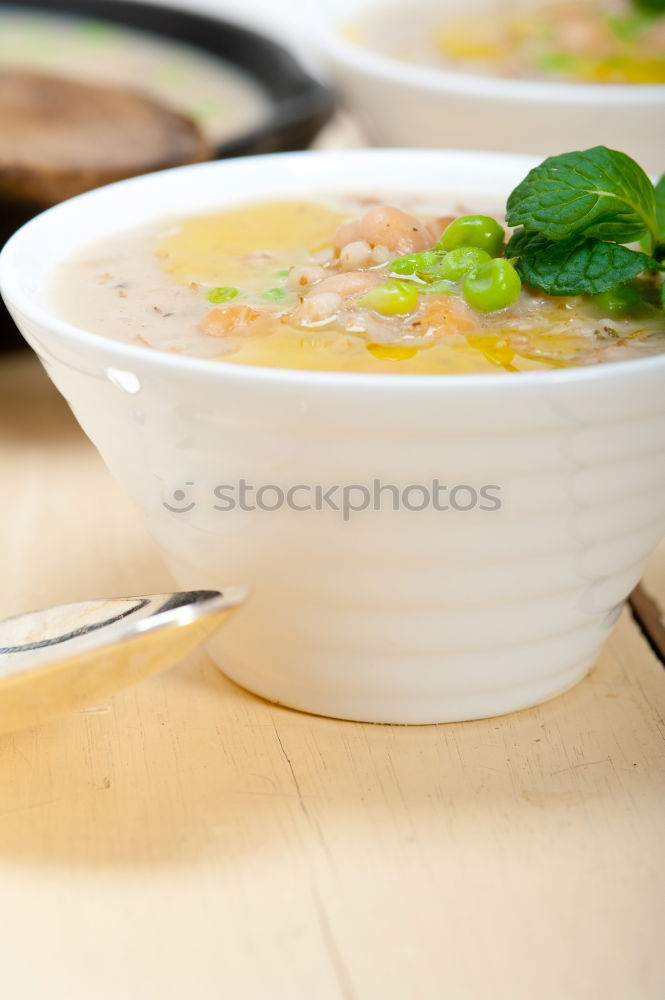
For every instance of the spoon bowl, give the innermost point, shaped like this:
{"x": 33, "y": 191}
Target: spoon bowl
{"x": 62, "y": 658}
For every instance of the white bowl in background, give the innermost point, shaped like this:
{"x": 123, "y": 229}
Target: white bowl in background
{"x": 390, "y": 616}
{"x": 403, "y": 104}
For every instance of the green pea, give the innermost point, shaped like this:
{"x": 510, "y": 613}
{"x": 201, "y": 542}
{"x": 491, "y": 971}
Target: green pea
{"x": 558, "y": 62}
{"x": 628, "y": 27}
{"x": 473, "y": 231}
{"x": 461, "y": 260}
{"x": 620, "y": 299}
{"x": 219, "y": 295}
{"x": 494, "y": 285}
{"x": 416, "y": 262}
{"x": 273, "y": 294}
{"x": 393, "y": 298}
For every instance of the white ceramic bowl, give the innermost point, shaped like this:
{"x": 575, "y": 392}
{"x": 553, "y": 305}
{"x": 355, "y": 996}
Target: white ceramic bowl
{"x": 404, "y": 104}
{"x": 390, "y": 616}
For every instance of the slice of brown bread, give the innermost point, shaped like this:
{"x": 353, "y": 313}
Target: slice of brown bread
{"x": 59, "y": 137}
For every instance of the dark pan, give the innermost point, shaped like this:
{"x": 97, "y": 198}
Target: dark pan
{"x": 300, "y": 105}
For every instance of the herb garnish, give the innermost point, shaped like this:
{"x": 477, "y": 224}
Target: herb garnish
{"x": 573, "y": 214}
{"x": 653, "y": 7}
{"x": 660, "y": 206}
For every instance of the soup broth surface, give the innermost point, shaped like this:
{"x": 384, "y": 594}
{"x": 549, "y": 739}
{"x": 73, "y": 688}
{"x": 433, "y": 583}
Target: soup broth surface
{"x": 587, "y": 41}
{"x": 287, "y": 285}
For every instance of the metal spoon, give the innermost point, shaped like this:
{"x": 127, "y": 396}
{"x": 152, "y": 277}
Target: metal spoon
{"x": 65, "y": 657}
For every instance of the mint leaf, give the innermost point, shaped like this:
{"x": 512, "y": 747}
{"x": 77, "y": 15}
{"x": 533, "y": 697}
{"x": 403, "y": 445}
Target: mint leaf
{"x": 653, "y": 7}
{"x": 524, "y": 242}
{"x": 660, "y": 207}
{"x": 597, "y": 192}
{"x": 658, "y": 246}
{"x": 578, "y": 266}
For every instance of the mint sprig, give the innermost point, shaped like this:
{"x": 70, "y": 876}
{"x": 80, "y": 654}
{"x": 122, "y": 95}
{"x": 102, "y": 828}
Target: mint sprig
{"x": 575, "y": 211}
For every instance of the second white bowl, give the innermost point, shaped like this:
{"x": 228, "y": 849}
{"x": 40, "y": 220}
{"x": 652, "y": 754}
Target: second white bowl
{"x": 405, "y": 104}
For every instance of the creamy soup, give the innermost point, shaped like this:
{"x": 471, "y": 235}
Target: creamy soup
{"x": 591, "y": 41}
{"x": 222, "y": 99}
{"x": 344, "y": 285}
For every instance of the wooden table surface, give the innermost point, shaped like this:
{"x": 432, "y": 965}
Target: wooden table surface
{"x": 188, "y": 840}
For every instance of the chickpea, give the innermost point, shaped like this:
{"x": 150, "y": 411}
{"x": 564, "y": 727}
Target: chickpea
{"x": 318, "y": 308}
{"x": 400, "y": 232}
{"x": 354, "y": 255}
{"x": 302, "y": 277}
{"x": 349, "y": 283}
